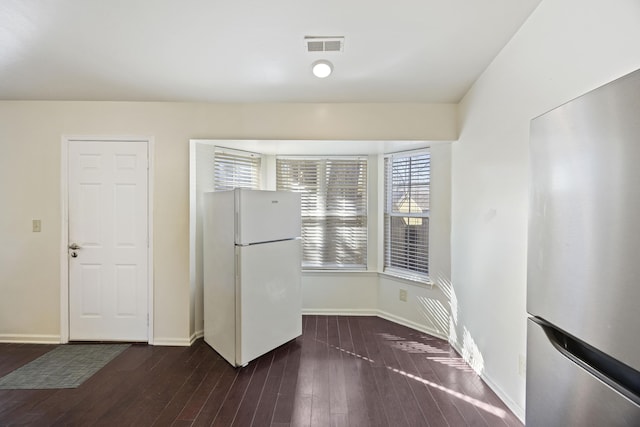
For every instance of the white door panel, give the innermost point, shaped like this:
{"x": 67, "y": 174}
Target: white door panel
{"x": 108, "y": 193}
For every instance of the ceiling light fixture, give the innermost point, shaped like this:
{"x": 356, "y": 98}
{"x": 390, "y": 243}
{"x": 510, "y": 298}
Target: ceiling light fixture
{"x": 322, "y": 68}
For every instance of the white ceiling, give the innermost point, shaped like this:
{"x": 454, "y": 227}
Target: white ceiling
{"x": 249, "y": 50}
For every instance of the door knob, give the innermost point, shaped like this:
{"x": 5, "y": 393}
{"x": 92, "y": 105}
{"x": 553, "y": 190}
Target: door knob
{"x": 74, "y": 246}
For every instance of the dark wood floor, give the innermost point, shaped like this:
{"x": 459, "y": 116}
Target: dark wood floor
{"x": 343, "y": 371}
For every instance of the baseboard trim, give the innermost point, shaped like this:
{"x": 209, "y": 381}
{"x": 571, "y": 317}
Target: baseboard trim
{"x": 517, "y": 410}
{"x": 339, "y": 311}
{"x": 195, "y": 336}
{"x": 370, "y": 312}
{"x": 29, "y": 339}
{"x": 175, "y": 342}
{"x": 410, "y": 324}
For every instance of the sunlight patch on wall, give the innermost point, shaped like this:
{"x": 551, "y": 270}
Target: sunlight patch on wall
{"x": 471, "y": 353}
{"x": 453, "y": 333}
{"x": 443, "y": 318}
{"x": 453, "y": 362}
{"x": 435, "y": 313}
{"x": 444, "y": 284}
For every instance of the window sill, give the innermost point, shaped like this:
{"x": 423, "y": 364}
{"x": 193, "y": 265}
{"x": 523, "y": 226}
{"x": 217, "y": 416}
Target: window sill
{"x": 327, "y": 272}
{"x": 421, "y": 283}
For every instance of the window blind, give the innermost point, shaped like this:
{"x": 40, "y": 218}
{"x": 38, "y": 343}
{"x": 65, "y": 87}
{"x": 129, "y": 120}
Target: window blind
{"x": 334, "y": 209}
{"x": 406, "y": 216}
{"x": 236, "y": 169}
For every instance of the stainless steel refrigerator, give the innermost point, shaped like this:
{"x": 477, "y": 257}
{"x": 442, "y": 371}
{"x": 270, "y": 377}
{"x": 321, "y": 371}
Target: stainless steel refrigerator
{"x": 252, "y": 272}
{"x": 583, "y": 290}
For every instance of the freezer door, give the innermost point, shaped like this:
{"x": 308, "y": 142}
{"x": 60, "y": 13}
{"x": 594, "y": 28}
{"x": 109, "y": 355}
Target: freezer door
{"x": 266, "y": 216}
{"x": 560, "y": 393}
{"x": 584, "y": 223}
{"x": 269, "y": 303}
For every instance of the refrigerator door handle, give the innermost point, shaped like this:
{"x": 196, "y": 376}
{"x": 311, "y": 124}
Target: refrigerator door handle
{"x": 266, "y": 242}
{"x": 622, "y": 378}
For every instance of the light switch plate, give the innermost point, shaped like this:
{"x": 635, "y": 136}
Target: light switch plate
{"x": 36, "y": 225}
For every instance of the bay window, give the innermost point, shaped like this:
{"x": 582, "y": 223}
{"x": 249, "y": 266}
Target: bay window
{"x": 406, "y": 214}
{"x": 334, "y": 208}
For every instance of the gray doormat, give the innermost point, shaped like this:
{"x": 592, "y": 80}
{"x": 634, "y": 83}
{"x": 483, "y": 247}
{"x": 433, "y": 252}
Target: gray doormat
{"x": 66, "y": 366}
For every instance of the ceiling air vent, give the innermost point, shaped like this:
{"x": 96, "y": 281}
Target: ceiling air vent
{"x": 324, "y": 44}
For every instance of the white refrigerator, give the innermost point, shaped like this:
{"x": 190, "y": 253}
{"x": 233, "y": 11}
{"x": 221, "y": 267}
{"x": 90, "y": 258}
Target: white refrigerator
{"x": 252, "y": 272}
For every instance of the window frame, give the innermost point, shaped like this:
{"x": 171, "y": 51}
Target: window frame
{"x": 238, "y": 154}
{"x": 361, "y": 211}
{"x": 388, "y": 213}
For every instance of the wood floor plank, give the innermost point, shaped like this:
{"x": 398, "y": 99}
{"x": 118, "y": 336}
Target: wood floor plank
{"x": 21, "y": 407}
{"x": 383, "y": 376}
{"x": 163, "y": 392}
{"x": 105, "y": 391}
{"x": 320, "y": 399}
{"x": 414, "y": 345}
{"x": 343, "y": 371}
{"x": 357, "y": 409}
{"x": 109, "y": 404}
{"x": 481, "y": 407}
{"x": 137, "y": 398}
{"x": 283, "y": 411}
{"x": 217, "y": 396}
{"x": 269, "y": 396}
{"x": 337, "y": 381}
{"x": 301, "y": 408}
{"x": 410, "y": 407}
{"x": 199, "y": 397}
{"x": 428, "y": 406}
{"x": 448, "y": 397}
{"x": 251, "y": 399}
{"x": 175, "y": 406}
{"x": 233, "y": 399}
{"x": 339, "y": 420}
{"x": 372, "y": 397}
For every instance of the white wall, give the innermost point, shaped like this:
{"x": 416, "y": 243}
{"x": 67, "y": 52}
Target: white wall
{"x": 30, "y": 142}
{"x": 566, "y": 48}
{"x": 353, "y": 293}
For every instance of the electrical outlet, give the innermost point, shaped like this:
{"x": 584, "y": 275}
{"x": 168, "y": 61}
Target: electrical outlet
{"x": 36, "y": 225}
{"x": 403, "y": 295}
{"x": 522, "y": 365}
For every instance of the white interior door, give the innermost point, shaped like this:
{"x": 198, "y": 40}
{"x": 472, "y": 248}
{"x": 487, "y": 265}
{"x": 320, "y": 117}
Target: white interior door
{"x": 108, "y": 221}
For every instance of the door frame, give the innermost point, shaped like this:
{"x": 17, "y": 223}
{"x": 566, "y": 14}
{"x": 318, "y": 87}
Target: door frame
{"x": 64, "y": 238}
